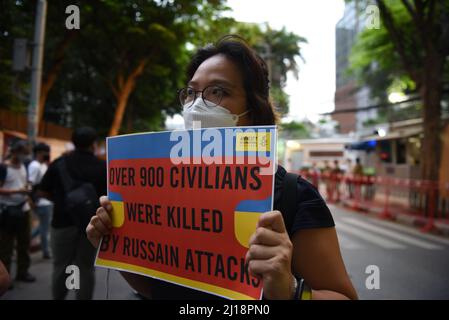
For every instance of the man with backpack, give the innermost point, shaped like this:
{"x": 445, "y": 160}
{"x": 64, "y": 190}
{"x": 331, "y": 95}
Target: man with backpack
{"x": 73, "y": 183}
{"x": 15, "y": 211}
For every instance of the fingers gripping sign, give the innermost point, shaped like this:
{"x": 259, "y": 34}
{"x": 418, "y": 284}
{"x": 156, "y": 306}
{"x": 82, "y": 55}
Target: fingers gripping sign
{"x": 101, "y": 223}
{"x": 270, "y": 254}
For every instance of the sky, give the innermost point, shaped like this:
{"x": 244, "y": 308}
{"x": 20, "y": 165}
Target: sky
{"x": 313, "y": 92}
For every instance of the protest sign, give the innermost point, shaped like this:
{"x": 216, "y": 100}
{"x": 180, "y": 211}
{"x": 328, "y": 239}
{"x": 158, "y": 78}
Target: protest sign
{"x": 185, "y": 204}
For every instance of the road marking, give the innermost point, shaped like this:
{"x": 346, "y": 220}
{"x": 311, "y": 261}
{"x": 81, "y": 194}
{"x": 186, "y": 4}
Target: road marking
{"x": 377, "y": 240}
{"x": 414, "y": 232}
{"x": 401, "y": 237}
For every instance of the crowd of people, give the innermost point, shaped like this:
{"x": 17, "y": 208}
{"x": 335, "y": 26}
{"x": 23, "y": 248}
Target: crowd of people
{"x": 333, "y": 177}
{"x": 32, "y": 188}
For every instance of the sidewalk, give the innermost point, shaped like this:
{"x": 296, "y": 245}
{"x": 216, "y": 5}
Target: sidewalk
{"x": 41, "y": 289}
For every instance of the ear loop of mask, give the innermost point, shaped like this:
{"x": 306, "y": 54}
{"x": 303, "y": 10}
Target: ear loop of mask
{"x": 238, "y": 116}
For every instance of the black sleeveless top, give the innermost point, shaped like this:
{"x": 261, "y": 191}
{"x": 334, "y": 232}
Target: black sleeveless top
{"x": 312, "y": 212}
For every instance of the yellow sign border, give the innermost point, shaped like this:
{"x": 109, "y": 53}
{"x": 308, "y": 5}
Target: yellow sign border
{"x": 223, "y": 292}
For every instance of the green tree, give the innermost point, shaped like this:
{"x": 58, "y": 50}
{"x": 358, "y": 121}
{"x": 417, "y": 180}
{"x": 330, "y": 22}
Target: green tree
{"x": 127, "y": 60}
{"x": 141, "y": 38}
{"x": 412, "y": 44}
{"x": 17, "y": 20}
{"x": 281, "y": 50}
{"x": 13, "y": 91}
{"x": 296, "y": 130}
{"x": 99, "y": 67}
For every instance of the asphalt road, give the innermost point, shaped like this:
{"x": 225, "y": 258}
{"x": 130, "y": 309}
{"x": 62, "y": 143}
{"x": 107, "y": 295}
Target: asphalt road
{"x": 411, "y": 265}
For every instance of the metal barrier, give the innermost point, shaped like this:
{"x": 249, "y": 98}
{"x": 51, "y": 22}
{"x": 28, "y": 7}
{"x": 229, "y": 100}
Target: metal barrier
{"x": 425, "y": 201}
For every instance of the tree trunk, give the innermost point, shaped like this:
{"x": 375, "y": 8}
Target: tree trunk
{"x": 431, "y": 91}
{"x": 129, "y": 119}
{"x": 122, "y": 94}
{"x": 52, "y": 75}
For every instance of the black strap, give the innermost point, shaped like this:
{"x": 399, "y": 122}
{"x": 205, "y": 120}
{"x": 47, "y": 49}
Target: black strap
{"x": 3, "y": 172}
{"x": 289, "y": 200}
{"x": 66, "y": 179}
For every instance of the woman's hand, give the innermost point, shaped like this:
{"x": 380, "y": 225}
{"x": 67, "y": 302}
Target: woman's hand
{"x": 270, "y": 255}
{"x": 100, "y": 224}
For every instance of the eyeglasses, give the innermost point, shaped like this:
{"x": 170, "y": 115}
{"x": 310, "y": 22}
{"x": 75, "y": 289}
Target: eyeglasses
{"x": 211, "y": 96}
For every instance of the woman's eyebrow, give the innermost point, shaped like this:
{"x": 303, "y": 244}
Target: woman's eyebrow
{"x": 219, "y": 82}
{"x": 224, "y": 83}
{"x": 191, "y": 83}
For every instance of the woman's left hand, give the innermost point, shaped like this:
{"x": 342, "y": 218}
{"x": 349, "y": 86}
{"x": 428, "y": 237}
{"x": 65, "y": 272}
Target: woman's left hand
{"x": 270, "y": 255}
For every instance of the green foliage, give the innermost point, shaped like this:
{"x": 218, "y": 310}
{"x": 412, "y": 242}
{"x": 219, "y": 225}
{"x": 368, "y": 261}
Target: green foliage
{"x": 295, "y": 130}
{"x": 13, "y": 87}
{"x": 114, "y": 36}
{"x": 280, "y": 48}
{"x": 374, "y": 60}
{"x": 280, "y": 100}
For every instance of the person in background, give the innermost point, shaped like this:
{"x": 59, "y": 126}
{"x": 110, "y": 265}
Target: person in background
{"x": 365, "y": 187}
{"x": 43, "y": 207}
{"x": 358, "y": 168}
{"x": 326, "y": 169}
{"x": 349, "y": 182}
{"x": 335, "y": 180}
{"x": 314, "y": 173}
{"x": 325, "y": 176}
{"x": 15, "y": 223}
{"x": 69, "y": 245}
{"x": 5, "y": 281}
{"x": 336, "y": 169}
{"x": 348, "y": 166}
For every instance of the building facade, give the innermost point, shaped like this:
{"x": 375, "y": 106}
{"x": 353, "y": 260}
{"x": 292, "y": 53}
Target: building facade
{"x": 348, "y": 94}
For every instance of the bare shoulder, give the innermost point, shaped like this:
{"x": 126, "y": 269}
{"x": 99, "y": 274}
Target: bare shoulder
{"x": 317, "y": 258}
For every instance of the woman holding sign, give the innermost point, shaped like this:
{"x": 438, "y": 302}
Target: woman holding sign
{"x": 296, "y": 254}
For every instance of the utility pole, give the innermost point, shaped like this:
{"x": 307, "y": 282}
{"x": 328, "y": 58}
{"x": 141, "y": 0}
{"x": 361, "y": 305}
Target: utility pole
{"x": 36, "y": 69}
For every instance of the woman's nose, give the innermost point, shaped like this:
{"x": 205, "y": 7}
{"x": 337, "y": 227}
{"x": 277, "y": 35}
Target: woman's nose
{"x": 198, "y": 94}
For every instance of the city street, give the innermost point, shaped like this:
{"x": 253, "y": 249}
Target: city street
{"x": 412, "y": 265}
{"x": 181, "y": 112}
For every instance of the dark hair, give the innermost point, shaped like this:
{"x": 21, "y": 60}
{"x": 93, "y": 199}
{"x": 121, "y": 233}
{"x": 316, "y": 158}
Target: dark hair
{"x": 254, "y": 72}
{"x": 19, "y": 146}
{"x": 41, "y": 147}
{"x": 84, "y": 137}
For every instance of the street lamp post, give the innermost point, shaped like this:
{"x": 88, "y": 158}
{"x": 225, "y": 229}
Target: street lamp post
{"x": 36, "y": 68}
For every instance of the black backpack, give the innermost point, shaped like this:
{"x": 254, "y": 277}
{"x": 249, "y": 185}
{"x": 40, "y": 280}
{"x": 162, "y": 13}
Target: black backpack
{"x": 3, "y": 171}
{"x": 81, "y": 199}
{"x": 289, "y": 202}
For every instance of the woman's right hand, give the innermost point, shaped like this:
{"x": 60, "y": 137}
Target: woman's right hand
{"x": 100, "y": 224}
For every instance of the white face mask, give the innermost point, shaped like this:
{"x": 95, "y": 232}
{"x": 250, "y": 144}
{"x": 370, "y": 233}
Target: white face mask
{"x": 199, "y": 115}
